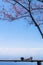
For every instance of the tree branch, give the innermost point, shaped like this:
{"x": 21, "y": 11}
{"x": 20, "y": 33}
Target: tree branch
{"x": 35, "y": 22}
{"x": 29, "y": 11}
{"x": 21, "y": 5}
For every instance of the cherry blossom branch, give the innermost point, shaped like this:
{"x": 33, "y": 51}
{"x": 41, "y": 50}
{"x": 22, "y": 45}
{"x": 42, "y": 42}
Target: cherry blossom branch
{"x": 35, "y": 22}
{"x": 22, "y": 11}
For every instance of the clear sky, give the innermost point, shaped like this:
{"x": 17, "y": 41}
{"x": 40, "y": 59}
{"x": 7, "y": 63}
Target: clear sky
{"x": 18, "y": 38}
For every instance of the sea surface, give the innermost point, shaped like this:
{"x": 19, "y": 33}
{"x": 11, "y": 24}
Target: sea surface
{"x": 18, "y": 63}
{"x": 22, "y": 63}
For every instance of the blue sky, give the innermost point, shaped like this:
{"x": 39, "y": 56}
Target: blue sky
{"x": 18, "y": 38}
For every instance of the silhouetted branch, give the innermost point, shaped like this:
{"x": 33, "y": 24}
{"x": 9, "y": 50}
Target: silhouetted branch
{"x": 35, "y": 22}
{"x": 23, "y": 11}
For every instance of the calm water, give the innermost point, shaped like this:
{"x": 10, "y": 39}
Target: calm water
{"x": 18, "y": 63}
{"x": 13, "y": 63}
